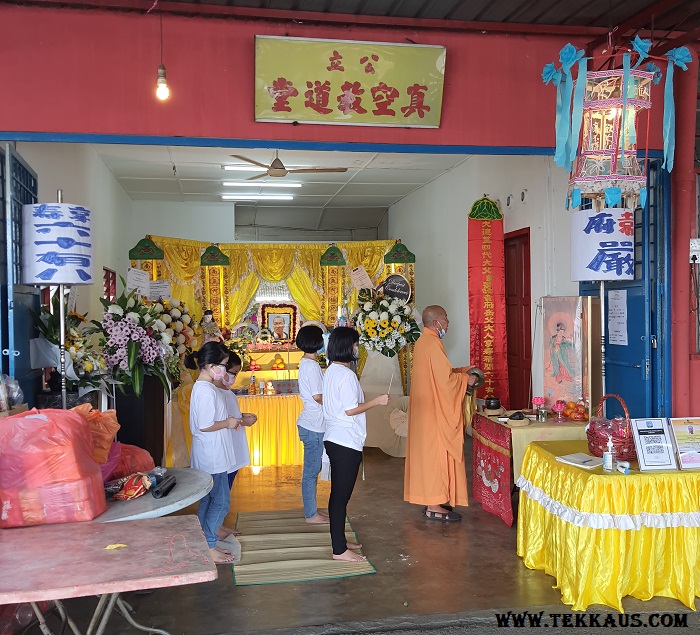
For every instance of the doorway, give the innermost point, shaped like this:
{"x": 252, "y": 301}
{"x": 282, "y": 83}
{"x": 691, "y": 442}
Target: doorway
{"x": 518, "y": 325}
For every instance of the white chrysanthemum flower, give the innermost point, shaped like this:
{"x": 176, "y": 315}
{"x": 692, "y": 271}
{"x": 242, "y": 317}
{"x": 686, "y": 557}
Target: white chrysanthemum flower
{"x": 374, "y": 315}
{"x": 166, "y": 318}
{"x": 158, "y": 307}
{"x": 393, "y": 308}
{"x": 178, "y": 326}
{"x": 184, "y": 310}
{"x": 133, "y": 316}
{"x": 174, "y": 303}
{"x": 384, "y": 303}
{"x": 130, "y": 303}
{"x": 186, "y": 319}
{"x": 165, "y": 338}
{"x": 194, "y": 342}
{"x": 175, "y": 313}
{"x": 181, "y": 349}
{"x": 407, "y": 310}
{"x": 180, "y": 339}
{"x": 115, "y": 309}
{"x": 383, "y": 315}
{"x": 170, "y": 332}
{"x": 160, "y": 325}
{"x": 367, "y": 306}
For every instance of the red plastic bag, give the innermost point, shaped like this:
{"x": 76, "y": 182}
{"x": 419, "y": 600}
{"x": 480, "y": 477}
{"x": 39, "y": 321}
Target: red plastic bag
{"x": 108, "y": 467}
{"x": 103, "y": 426}
{"x": 47, "y": 472}
{"x": 133, "y": 459}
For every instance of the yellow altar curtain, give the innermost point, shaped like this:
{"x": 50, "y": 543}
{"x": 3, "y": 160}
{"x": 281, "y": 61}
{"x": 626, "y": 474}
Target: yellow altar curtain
{"x": 605, "y": 536}
{"x": 296, "y": 263}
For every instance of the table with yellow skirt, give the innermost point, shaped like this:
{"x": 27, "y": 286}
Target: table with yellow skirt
{"x": 607, "y": 535}
{"x": 272, "y": 440}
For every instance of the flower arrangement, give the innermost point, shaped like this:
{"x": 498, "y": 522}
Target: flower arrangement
{"x": 87, "y": 364}
{"x": 136, "y": 342}
{"x": 240, "y": 346}
{"x": 386, "y": 325}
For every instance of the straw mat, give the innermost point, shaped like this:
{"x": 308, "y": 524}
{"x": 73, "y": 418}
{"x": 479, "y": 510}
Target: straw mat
{"x": 280, "y": 546}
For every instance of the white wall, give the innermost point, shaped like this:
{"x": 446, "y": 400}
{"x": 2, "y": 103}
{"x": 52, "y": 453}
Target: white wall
{"x": 210, "y": 222}
{"x": 80, "y": 173}
{"x": 432, "y": 222}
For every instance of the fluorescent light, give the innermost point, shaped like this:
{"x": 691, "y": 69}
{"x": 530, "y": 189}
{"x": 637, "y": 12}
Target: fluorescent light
{"x": 243, "y": 168}
{"x": 251, "y": 184}
{"x": 257, "y": 197}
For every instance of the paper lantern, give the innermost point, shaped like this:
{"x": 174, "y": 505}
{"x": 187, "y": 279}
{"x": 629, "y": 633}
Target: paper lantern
{"x": 56, "y": 244}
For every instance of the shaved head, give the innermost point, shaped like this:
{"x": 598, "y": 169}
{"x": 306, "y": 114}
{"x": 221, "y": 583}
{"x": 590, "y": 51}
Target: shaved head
{"x": 432, "y": 313}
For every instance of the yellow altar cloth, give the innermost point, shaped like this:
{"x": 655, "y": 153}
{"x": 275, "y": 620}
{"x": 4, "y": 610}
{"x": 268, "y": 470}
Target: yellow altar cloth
{"x": 604, "y": 536}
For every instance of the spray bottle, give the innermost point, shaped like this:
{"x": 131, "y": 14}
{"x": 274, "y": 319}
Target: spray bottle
{"x": 609, "y": 461}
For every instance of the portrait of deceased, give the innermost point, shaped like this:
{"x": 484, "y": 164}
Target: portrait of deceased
{"x": 281, "y": 321}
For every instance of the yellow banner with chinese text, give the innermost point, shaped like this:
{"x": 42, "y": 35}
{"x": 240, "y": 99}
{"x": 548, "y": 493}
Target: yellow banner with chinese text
{"x": 348, "y": 83}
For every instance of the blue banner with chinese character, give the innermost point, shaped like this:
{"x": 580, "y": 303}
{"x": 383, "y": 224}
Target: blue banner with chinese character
{"x": 346, "y": 82}
{"x": 602, "y": 244}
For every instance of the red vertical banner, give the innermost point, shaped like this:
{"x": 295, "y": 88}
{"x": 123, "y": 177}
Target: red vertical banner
{"x": 487, "y": 302}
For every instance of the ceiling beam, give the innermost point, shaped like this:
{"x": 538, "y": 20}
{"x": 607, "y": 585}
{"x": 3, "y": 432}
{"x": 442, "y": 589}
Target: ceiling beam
{"x": 190, "y": 9}
{"x": 686, "y": 37}
{"x": 635, "y": 22}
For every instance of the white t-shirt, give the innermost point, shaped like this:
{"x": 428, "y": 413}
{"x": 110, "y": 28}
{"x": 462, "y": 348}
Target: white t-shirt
{"x": 212, "y": 452}
{"x": 342, "y": 392}
{"x": 310, "y": 384}
{"x": 240, "y": 442}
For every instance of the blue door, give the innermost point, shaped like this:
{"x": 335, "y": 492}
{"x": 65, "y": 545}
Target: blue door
{"x": 19, "y": 187}
{"x": 640, "y": 370}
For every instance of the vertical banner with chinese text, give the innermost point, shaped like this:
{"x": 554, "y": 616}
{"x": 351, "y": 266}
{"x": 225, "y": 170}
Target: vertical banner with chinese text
{"x": 487, "y": 302}
{"x": 345, "y": 82}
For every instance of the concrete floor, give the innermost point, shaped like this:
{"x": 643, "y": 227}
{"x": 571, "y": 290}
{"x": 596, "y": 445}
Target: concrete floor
{"x": 429, "y": 574}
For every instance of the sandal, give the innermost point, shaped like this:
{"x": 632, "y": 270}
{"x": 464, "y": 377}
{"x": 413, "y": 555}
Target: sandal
{"x": 449, "y": 508}
{"x": 446, "y": 517}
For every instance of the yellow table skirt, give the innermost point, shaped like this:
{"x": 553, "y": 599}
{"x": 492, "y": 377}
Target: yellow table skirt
{"x": 604, "y": 536}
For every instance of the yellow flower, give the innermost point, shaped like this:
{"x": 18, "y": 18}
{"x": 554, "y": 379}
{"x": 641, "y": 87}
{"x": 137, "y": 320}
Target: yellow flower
{"x": 367, "y": 323}
{"x": 402, "y": 329}
{"x": 395, "y": 322}
{"x": 88, "y": 366}
{"x": 374, "y": 323}
{"x": 102, "y": 363}
{"x": 384, "y": 323}
{"x": 372, "y": 332}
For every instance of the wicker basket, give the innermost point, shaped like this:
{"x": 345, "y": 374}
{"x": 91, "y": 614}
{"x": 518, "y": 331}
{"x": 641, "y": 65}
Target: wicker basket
{"x": 598, "y": 440}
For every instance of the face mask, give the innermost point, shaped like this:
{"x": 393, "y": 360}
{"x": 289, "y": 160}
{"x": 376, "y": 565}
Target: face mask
{"x": 441, "y": 332}
{"x": 217, "y": 375}
{"x": 229, "y": 379}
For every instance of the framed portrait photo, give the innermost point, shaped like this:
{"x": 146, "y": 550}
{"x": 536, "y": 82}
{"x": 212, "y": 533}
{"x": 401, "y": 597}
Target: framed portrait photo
{"x": 281, "y": 320}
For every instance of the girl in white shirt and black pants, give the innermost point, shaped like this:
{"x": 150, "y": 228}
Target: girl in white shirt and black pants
{"x": 344, "y": 410}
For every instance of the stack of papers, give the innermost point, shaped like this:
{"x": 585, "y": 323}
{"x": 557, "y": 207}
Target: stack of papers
{"x": 581, "y": 459}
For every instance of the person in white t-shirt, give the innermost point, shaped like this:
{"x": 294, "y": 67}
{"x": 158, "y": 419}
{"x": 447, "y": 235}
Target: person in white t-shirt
{"x": 240, "y": 442}
{"x": 310, "y": 422}
{"x": 212, "y": 445}
{"x": 344, "y": 410}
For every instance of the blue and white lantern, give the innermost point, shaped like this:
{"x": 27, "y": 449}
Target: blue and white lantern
{"x": 57, "y": 244}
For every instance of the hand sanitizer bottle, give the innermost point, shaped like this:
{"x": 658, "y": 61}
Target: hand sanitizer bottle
{"x": 609, "y": 461}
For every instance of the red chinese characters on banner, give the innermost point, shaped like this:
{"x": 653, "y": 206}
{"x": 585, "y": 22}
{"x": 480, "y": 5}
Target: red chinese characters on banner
{"x": 487, "y": 306}
{"x": 318, "y": 96}
{"x": 350, "y": 99}
{"x": 282, "y": 89}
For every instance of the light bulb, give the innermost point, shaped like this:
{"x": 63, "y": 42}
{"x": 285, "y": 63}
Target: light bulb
{"x": 162, "y": 90}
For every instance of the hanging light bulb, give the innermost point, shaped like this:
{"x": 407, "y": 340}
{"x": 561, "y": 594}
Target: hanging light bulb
{"x": 162, "y": 90}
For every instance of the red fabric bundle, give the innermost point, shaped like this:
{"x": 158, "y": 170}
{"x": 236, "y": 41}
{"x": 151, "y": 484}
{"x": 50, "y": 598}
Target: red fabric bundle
{"x": 48, "y": 473}
{"x": 133, "y": 459}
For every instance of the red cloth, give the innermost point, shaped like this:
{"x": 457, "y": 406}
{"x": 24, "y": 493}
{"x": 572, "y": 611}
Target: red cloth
{"x": 491, "y": 471}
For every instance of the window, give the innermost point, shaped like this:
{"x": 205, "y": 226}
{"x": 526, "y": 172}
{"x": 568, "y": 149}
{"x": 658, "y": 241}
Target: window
{"x": 109, "y": 284}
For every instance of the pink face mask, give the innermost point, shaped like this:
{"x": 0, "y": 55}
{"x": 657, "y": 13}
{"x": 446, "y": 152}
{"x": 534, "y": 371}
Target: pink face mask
{"x": 229, "y": 379}
{"x": 218, "y": 374}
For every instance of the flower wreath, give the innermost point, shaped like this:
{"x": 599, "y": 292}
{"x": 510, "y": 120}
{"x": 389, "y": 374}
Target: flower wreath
{"x": 264, "y": 336}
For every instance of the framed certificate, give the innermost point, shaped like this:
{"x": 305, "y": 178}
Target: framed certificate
{"x": 687, "y": 435}
{"x": 654, "y": 445}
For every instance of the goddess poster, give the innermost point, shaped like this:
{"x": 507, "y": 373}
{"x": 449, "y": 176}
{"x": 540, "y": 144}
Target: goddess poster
{"x": 563, "y": 342}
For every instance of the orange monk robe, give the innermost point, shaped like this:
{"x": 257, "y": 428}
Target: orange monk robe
{"x": 435, "y": 470}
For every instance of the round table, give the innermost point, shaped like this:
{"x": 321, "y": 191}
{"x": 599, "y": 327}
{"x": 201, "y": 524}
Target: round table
{"x": 192, "y": 485}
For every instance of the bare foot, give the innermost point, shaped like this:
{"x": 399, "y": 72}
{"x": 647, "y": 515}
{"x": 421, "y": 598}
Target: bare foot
{"x": 320, "y": 512}
{"x": 354, "y": 546}
{"x": 318, "y": 519}
{"x": 349, "y": 556}
{"x": 221, "y": 556}
{"x": 224, "y": 532}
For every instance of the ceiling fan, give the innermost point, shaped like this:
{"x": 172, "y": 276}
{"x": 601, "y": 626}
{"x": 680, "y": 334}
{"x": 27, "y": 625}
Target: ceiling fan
{"x": 277, "y": 169}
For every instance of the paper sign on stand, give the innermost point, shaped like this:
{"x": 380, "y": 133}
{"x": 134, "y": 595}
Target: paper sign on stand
{"x": 138, "y": 280}
{"x": 617, "y": 317}
{"x": 72, "y": 295}
{"x": 360, "y": 279}
{"x": 159, "y": 290}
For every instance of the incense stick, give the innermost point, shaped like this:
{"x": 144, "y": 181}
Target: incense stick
{"x": 388, "y": 392}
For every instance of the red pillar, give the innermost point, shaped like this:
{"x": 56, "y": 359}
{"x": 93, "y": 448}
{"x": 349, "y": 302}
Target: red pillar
{"x": 682, "y": 226}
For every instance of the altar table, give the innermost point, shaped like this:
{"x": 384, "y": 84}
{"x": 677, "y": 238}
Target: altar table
{"x": 607, "y": 535}
{"x": 497, "y": 452}
{"x": 57, "y": 562}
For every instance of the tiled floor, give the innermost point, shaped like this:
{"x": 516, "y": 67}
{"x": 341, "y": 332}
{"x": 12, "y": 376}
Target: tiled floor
{"x": 423, "y": 567}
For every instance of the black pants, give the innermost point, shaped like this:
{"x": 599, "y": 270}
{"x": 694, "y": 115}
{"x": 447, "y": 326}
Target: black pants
{"x": 345, "y": 463}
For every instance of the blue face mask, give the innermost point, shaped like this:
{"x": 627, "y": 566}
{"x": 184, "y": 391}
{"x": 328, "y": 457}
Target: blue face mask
{"x": 441, "y": 332}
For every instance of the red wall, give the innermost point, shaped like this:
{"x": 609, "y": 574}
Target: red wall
{"x": 90, "y": 71}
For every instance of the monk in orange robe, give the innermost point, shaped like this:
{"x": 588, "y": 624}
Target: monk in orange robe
{"x": 435, "y": 473}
